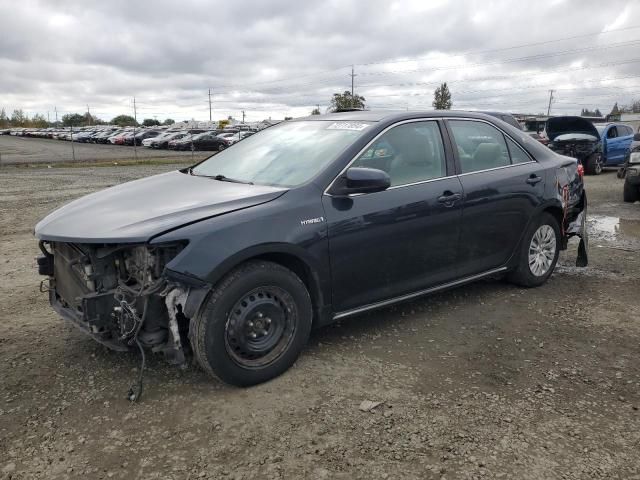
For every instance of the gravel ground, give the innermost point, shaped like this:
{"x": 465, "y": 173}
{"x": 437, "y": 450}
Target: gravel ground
{"x": 27, "y": 150}
{"x": 486, "y": 381}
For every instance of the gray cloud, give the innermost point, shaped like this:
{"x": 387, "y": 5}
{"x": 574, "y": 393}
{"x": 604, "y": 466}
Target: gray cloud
{"x": 282, "y": 57}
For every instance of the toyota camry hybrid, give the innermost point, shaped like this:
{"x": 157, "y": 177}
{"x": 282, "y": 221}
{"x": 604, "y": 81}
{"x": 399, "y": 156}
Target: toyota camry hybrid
{"x": 236, "y": 258}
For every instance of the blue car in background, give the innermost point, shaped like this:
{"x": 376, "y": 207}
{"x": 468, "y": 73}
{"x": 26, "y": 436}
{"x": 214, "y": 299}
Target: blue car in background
{"x": 616, "y": 142}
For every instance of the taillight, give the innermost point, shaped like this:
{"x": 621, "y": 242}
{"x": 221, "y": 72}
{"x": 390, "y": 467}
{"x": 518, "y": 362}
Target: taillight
{"x": 580, "y": 170}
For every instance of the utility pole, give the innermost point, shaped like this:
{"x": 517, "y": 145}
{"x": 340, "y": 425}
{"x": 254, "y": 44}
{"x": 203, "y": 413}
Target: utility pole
{"x": 135, "y": 121}
{"x": 209, "y": 104}
{"x": 550, "y": 100}
{"x": 353, "y": 76}
{"x": 88, "y": 115}
{"x": 48, "y": 117}
{"x": 243, "y": 116}
{"x": 56, "y": 110}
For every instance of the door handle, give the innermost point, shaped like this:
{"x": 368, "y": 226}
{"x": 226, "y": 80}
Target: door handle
{"x": 533, "y": 179}
{"x": 449, "y": 198}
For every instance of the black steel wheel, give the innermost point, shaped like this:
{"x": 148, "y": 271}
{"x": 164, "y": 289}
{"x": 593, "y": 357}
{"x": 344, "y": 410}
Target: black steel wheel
{"x": 253, "y": 325}
{"x": 260, "y": 327}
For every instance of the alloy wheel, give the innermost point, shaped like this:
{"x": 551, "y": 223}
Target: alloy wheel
{"x": 542, "y": 250}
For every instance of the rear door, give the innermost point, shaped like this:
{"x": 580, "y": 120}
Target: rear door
{"x": 404, "y": 239}
{"x": 502, "y": 187}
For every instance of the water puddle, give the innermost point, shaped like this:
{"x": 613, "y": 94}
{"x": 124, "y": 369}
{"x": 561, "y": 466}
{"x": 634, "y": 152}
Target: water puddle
{"x": 613, "y": 229}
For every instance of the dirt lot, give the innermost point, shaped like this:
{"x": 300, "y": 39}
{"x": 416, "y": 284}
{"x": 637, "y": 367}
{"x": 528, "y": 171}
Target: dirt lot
{"x": 487, "y": 381}
{"x": 27, "y": 150}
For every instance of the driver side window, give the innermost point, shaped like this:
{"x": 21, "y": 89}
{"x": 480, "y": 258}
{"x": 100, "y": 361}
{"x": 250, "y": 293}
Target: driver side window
{"x": 612, "y": 133}
{"x": 409, "y": 153}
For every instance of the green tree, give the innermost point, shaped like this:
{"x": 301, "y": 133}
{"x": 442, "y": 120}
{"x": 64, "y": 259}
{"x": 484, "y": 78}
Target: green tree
{"x": 169, "y": 121}
{"x": 4, "y": 120}
{"x": 124, "y": 121}
{"x": 315, "y": 111}
{"x": 343, "y": 101}
{"x": 150, "y": 122}
{"x": 615, "y": 110}
{"x": 442, "y": 98}
{"x": 222, "y": 124}
{"x": 18, "y": 118}
{"x": 38, "y": 121}
{"x": 73, "y": 120}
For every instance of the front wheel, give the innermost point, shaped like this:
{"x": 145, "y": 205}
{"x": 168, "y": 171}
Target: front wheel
{"x": 538, "y": 253}
{"x": 254, "y": 324}
{"x": 630, "y": 193}
{"x": 593, "y": 165}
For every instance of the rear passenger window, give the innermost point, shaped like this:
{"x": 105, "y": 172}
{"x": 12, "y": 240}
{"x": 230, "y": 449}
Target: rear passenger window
{"x": 517, "y": 154}
{"x": 409, "y": 153}
{"x": 480, "y": 146}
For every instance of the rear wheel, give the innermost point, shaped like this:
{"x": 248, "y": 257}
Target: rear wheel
{"x": 221, "y": 147}
{"x": 593, "y": 165}
{"x": 630, "y": 193}
{"x": 538, "y": 253}
{"x": 254, "y": 325}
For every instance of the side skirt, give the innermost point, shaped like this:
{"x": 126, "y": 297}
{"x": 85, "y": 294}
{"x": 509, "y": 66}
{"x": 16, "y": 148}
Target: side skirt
{"x": 409, "y": 296}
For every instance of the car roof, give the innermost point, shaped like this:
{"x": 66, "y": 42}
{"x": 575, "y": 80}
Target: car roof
{"x": 399, "y": 115}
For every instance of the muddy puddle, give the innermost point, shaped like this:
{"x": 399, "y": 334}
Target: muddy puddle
{"x": 610, "y": 231}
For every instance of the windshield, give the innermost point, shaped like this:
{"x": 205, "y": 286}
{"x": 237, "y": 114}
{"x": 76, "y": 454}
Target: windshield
{"x": 288, "y": 154}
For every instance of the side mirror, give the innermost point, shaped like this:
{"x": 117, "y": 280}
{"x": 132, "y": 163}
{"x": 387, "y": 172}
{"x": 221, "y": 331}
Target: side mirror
{"x": 361, "y": 180}
{"x": 636, "y": 137}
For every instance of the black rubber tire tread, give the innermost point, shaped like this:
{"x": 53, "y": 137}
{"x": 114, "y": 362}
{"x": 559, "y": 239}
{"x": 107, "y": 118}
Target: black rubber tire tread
{"x": 208, "y": 336}
{"x": 590, "y": 165}
{"x": 522, "y": 276}
{"x": 630, "y": 193}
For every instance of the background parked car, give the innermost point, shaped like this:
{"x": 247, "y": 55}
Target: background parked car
{"x": 616, "y": 140}
{"x": 201, "y": 141}
{"x": 576, "y": 137}
{"x": 631, "y": 171}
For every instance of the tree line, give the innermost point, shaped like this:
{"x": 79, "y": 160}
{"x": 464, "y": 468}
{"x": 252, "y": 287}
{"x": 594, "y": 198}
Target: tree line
{"x": 20, "y": 119}
{"x": 347, "y": 101}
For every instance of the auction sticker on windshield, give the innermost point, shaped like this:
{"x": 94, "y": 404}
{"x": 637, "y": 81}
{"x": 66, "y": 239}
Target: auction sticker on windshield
{"x": 347, "y": 126}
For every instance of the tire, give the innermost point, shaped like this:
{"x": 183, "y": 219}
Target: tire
{"x": 543, "y": 232}
{"x": 221, "y": 147}
{"x": 593, "y": 165}
{"x": 630, "y": 193}
{"x": 271, "y": 311}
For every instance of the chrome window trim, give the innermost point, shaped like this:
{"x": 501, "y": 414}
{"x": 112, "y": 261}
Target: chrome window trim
{"x": 419, "y": 293}
{"x": 501, "y": 131}
{"x": 373, "y": 140}
{"x": 496, "y": 168}
{"x": 430, "y": 119}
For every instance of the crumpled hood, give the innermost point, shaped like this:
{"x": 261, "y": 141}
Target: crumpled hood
{"x": 134, "y": 212}
{"x": 570, "y": 125}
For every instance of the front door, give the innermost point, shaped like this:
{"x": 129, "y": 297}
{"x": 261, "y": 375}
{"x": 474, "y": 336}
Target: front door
{"x": 398, "y": 241}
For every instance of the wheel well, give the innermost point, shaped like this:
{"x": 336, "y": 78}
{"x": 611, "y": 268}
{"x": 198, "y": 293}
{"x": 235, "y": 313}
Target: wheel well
{"x": 301, "y": 269}
{"x": 557, "y": 213}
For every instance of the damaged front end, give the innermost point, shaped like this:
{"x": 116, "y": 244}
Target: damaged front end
{"x": 574, "y": 137}
{"x": 121, "y": 295}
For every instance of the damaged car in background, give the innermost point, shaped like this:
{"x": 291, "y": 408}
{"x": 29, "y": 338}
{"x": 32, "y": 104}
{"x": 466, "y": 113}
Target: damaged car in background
{"x": 232, "y": 261}
{"x": 578, "y": 138}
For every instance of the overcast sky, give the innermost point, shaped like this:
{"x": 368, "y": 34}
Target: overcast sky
{"x": 275, "y": 58}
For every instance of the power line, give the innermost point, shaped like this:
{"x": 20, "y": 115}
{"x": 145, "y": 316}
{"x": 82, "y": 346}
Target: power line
{"x": 533, "y": 44}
